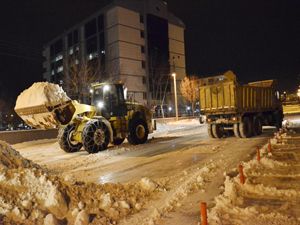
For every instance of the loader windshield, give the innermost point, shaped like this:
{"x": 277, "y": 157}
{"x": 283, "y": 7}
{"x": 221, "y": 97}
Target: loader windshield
{"x": 109, "y": 100}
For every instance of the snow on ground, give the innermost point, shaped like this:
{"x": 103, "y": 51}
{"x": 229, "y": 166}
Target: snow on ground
{"x": 180, "y": 127}
{"x": 271, "y": 193}
{"x": 30, "y": 194}
{"x": 179, "y": 160}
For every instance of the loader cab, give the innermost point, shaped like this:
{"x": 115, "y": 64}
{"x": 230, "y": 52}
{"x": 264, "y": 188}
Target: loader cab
{"x": 109, "y": 100}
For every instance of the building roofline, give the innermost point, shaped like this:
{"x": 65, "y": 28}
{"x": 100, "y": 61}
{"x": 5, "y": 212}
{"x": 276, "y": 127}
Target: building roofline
{"x": 121, "y": 3}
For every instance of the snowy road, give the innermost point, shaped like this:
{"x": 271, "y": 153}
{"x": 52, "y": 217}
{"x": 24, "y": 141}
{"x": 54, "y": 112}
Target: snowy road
{"x": 170, "y": 150}
{"x": 175, "y": 156}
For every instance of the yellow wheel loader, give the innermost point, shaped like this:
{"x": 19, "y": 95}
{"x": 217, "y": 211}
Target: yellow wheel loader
{"x": 110, "y": 119}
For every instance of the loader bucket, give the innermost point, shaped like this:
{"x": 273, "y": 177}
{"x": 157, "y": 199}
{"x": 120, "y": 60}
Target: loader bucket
{"x": 47, "y": 117}
{"x": 38, "y": 117}
{"x": 40, "y": 106}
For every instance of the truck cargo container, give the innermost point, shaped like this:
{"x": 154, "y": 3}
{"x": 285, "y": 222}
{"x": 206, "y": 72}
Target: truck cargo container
{"x": 243, "y": 109}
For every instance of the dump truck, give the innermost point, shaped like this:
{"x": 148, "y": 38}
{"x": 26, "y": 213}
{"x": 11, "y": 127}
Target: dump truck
{"x": 240, "y": 109}
{"x": 109, "y": 118}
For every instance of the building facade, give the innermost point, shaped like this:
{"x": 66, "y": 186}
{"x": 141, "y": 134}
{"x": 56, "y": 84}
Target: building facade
{"x": 138, "y": 42}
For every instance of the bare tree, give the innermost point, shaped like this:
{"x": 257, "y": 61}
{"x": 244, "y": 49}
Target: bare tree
{"x": 190, "y": 90}
{"x": 79, "y": 76}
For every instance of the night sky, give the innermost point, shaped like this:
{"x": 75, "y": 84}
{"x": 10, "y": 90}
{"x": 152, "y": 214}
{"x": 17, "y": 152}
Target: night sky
{"x": 258, "y": 39}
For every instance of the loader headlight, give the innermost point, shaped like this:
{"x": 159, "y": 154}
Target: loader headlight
{"x": 106, "y": 88}
{"x": 100, "y": 105}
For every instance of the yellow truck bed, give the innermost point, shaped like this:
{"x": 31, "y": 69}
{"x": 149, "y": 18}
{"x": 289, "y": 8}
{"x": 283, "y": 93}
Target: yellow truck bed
{"x": 222, "y": 95}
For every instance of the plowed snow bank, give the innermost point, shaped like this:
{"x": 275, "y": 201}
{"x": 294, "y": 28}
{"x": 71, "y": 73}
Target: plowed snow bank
{"x": 31, "y": 195}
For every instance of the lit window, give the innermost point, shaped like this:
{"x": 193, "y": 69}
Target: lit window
{"x": 60, "y": 69}
{"x": 59, "y": 57}
{"x": 71, "y": 51}
{"x": 52, "y": 72}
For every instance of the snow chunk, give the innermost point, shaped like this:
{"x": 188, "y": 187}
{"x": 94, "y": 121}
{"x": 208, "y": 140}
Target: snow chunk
{"x": 50, "y": 220}
{"x": 148, "y": 184}
{"x": 82, "y": 218}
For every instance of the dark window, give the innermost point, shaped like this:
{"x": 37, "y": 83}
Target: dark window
{"x": 157, "y": 8}
{"x": 58, "y": 46}
{"x": 143, "y": 49}
{"x": 59, "y": 63}
{"x": 144, "y": 95}
{"x": 91, "y": 45}
{"x": 70, "y": 39}
{"x": 142, "y": 34}
{"x": 143, "y": 64}
{"x": 102, "y": 49}
{"x": 101, "y": 43}
{"x": 52, "y": 52}
{"x": 75, "y": 37}
{"x": 144, "y": 80}
{"x": 158, "y": 53}
{"x": 100, "y": 23}
{"x": 90, "y": 28}
{"x": 141, "y": 19}
{"x": 52, "y": 68}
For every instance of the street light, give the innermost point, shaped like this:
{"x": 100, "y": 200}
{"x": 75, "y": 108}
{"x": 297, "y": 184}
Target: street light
{"x": 175, "y": 95}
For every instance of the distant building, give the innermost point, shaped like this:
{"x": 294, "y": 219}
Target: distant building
{"x": 138, "y": 42}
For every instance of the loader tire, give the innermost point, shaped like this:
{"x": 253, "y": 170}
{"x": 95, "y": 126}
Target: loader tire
{"x": 95, "y": 136}
{"x": 245, "y": 127}
{"x": 217, "y": 130}
{"x": 257, "y": 126}
{"x": 118, "y": 141}
{"x": 65, "y": 139}
{"x": 209, "y": 131}
{"x": 236, "y": 130}
{"x": 138, "y": 132}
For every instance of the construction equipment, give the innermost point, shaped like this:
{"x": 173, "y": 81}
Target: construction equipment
{"x": 243, "y": 109}
{"x": 110, "y": 119}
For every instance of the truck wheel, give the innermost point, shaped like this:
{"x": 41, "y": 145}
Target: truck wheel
{"x": 257, "y": 126}
{"x": 209, "y": 131}
{"x": 138, "y": 132}
{"x": 245, "y": 127}
{"x": 217, "y": 130}
{"x": 95, "y": 136}
{"x": 278, "y": 119}
{"x": 65, "y": 139}
{"x": 118, "y": 141}
{"x": 236, "y": 130}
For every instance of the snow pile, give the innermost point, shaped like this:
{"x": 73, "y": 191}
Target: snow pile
{"x": 31, "y": 195}
{"x": 270, "y": 194}
{"x": 167, "y": 128}
{"x": 32, "y": 104}
{"x": 189, "y": 181}
{"x": 41, "y": 93}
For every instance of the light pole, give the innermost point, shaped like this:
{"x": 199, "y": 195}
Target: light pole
{"x": 175, "y": 95}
